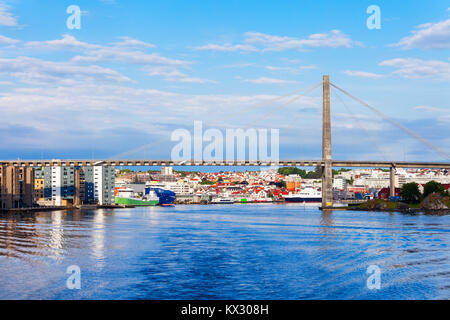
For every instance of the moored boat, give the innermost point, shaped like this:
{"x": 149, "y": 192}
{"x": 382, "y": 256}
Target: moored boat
{"x": 222, "y": 200}
{"x": 307, "y": 195}
{"x": 165, "y": 197}
{"x": 127, "y": 196}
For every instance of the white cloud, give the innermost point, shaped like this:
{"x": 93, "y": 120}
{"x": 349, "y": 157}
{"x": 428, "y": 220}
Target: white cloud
{"x": 443, "y": 114}
{"x": 356, "y": 121}
{"x": 257, "y": 41}
{"x": 189, "y": 80}
{"x": 98, "y": 53}
{"x": 8, "y": 41}
{"x": 428, "y": 36}
{"x": 227, "y": 48}
{"x": 363, "y": 74}
{"x": 130, "y": 42}
{"x": 369, "y": 126}
{"x": 265, "y": 80}
{"x": 163, "y": 71}
{"x": 117, "y": 107}
{"x": 68, "y": 43}
{"x": 6, "y": 17}
{"x": 123, "y": 52}
{"x": 112, "y": 54}
{"x": 239, "y": 65}
{"x": 172, "y": 74}
{"x": 432, "y": 109}
{"x": 37, "y": 71}
{"x": 294, "y": 69}
{"x": 332, "y": 39}
{"x": 416, "y": 68}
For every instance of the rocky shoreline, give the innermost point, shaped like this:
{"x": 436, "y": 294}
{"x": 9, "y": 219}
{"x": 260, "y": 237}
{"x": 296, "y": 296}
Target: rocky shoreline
{"x": 433, "y": 204}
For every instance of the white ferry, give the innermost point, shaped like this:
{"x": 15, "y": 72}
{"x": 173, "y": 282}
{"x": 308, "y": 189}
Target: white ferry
{"x": 222, "y": 200}
{"x": 307, "y": 195}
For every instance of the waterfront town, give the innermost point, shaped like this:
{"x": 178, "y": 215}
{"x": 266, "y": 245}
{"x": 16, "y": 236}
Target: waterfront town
{"x": 25, "y": 187}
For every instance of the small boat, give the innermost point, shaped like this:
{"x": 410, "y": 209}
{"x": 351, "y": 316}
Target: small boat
{"x": 222, "y": 200}
{"x": 167, "y": 205}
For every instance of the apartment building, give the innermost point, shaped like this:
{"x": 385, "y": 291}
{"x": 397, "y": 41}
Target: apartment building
{"x": 63, "y": 186}
{"x": 104, "y": 183}
{"x": 16, "y": 187}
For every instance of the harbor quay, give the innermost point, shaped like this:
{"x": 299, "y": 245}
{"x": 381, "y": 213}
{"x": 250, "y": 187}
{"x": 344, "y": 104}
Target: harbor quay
{"x": 29, "y": 188}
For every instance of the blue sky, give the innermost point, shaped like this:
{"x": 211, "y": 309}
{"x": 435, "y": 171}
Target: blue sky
{"x": 137, "y": 70}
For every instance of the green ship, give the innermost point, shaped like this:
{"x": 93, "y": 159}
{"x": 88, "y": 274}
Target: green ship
{"x": 127, "y": 197}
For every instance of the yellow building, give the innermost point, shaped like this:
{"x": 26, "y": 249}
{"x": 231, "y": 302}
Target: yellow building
{"x": 39, "y": 190}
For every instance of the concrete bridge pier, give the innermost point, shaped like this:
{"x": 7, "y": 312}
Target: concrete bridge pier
{"x": 327, "y": 174}
{"x": 392, "y": 181}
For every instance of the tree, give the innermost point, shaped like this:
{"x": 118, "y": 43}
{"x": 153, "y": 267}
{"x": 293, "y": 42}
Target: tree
{"x": 318, "y": 171}
{"x": 433, "y": 186}
{"x": 292, "y": 170}
{"x": 316, "y": 174}
{"x": 410, "y": 193}
{"x": 207, "y": 182}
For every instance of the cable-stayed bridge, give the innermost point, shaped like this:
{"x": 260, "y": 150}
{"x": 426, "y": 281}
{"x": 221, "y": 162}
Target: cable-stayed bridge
{"x": 234, "y": 163}
{"x": 327, "y": 163}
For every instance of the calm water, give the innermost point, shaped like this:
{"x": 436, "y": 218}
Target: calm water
{"x": 224, "y": 252}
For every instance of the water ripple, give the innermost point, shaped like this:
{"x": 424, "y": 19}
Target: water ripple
{"x": 224, "y": 252}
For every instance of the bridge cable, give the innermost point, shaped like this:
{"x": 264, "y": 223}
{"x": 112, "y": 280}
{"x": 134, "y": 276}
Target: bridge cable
{"x": 167, "y": 139}
{"x": 311, "y": 89}
{"x": 374, "y": 141}
{"x": 260, "y": 105}
{"x": 430, "y": 145}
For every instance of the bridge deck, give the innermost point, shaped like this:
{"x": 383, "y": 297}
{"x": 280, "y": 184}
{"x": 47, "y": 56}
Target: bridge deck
{"x": 281, "y": 163}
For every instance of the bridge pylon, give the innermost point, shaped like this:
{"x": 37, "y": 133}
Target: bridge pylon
{"x": 327, "y": 172}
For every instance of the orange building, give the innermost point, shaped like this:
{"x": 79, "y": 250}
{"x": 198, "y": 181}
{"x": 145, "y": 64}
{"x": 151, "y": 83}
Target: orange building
{"x": 293, "y": 185}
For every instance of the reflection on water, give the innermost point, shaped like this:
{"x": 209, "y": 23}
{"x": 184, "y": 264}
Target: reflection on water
{"x": 98, "y": 237}
{"x": 56, "y": 234}
{"x": 224, "y": 252}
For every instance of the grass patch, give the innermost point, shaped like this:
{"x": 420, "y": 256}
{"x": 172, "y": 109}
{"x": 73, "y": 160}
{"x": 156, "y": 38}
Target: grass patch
{"x": 392, "y": 205}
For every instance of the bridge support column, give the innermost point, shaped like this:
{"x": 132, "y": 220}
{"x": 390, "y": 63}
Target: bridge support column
{"x": 327, "y": 175}
{"x": 392, "y": 181}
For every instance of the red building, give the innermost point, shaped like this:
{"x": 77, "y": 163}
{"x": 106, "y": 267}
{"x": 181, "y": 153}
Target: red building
{"x": 385, "y": 193}
{"x": 357, "y": 189}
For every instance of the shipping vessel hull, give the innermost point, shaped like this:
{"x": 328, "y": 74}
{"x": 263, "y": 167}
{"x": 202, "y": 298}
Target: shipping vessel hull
{"x": 307, "y": 200}
{"x": 136, "y": 202}
{"x": 166, "y": 197}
